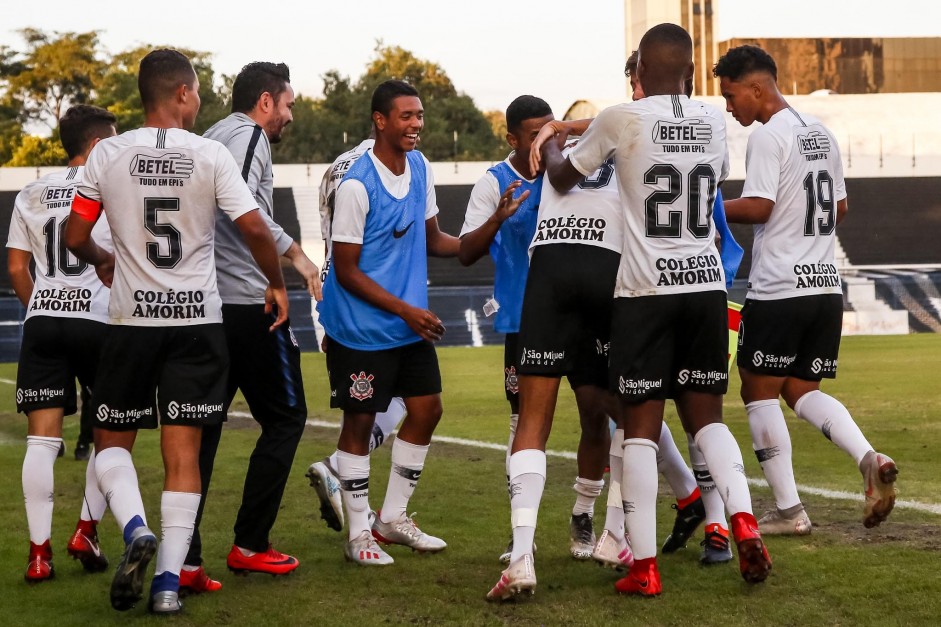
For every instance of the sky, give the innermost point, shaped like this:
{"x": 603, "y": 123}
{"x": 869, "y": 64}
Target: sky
{"x": 493, "y": 50}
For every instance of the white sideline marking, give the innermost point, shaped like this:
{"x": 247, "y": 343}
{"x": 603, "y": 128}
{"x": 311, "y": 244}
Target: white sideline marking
{"x": 837, "y": 495}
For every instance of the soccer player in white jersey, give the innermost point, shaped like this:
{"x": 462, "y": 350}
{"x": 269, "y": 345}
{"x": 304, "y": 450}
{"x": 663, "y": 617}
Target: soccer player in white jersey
{"x": 66, "y": 323}
{"x": 165, "y": 353}
{"x": 669, "y": 326}
{"x": 264, "y": 365}
{"x": 564, "y": 328}
{"x": 795, "y": 195}
{"x": 323, "y": 474}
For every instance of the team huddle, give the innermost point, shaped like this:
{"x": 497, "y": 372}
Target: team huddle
{"x": 158, "y": 286}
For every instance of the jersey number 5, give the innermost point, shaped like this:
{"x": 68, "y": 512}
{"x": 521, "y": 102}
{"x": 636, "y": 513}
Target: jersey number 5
{"x": 152, "y": 222}
{"x": 701, "y": 181}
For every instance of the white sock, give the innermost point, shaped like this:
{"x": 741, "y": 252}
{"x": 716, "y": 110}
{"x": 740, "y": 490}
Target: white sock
{"x": 724, "y": 460}
{"x": 672, "y": 465}
{"x": 772, "y": 444}
{"x": 94, "y": 504}
{"x": 614, "y": 514}
{"x": 39, "y": 485}
{"x": 639, "y": 492}
{"x": 408, "y": 460}
{"x": 587, "y": 491}
{"x": 386, "y": 422}
{"x": 527, "y": 480}
{"x": 353, "y": 471}
{"x": 177, "y": 519}
{"x": 711, "y": 499}
{"x": 514, "y": 420}
{"x": 117, "y": 480}
{"x": 834, "y": 421}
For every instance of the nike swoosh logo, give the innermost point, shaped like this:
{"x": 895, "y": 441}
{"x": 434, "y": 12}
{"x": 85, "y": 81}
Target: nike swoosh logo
{"x": 643, "y": 584}
{"x": 358, "y": 486}
{"x": 397, "y": 233}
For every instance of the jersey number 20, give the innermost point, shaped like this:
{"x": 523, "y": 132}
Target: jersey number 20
{"x": 701, "y": 181}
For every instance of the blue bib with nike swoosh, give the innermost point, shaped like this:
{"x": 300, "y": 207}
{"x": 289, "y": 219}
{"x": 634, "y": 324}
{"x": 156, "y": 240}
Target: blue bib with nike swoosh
{"x": 394, "y": 255}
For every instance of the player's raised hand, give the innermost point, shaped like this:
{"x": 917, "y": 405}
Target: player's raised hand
{"x": 508, "y": 203}
{"x": 557, "y": 130}
{"x": 423, "y": 322}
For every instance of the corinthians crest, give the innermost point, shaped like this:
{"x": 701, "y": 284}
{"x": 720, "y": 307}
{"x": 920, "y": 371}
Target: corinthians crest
{"x": 362, "y": 386}
{"x": 512, "y": 383}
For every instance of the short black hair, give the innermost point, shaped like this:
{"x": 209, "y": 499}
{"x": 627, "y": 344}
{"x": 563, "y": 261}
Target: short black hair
{"x": 254, "y": 80}
{"x": 386, "y": 92}
{"x": 743, "y": 60}
{"x": 525, "y": 108}
{"x": 630, "y": 67}
{"x": 162, "y": 71}
{"x": 81, "y": 125}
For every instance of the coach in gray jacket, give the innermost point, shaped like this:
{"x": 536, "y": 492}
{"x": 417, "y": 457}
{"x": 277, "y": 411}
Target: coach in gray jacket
{"x": 265, "y": 362}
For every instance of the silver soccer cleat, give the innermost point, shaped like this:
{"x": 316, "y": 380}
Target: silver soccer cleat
{"x": 779, "y": 523}
{"x": 611, "y": 552}
{"x": 166, "y": 602}
{"x": 404, "y": 531}
{"x": 518, "y": 578}
{"x": 325, "y": 483}
{"x": 364, "y": 550}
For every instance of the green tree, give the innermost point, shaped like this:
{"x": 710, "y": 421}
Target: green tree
{"x": 55, "y": 70}
{"x": 33, "y": 151}
{"x": 326, "y": 127}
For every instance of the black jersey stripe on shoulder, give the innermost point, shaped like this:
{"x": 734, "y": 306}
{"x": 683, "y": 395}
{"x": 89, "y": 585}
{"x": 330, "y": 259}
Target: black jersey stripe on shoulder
{"x": 797, "y": 115}
{"x": 250, "y": 152}
{"x": 677, "y": 106}
{"x": 73, "y": 170}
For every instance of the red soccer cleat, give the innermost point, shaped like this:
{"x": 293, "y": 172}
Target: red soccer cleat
{"x": 40, "y": 563}
{"x": 270, "y": 562}
{"x": 753, "y": 558}
{"x": 83, "y": 546}
{"x": 643, "y": 579}
{"x": 197, "y": 581}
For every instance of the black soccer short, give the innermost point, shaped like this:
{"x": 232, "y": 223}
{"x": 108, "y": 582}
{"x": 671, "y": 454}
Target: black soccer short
{"x": 791, "y": 337}
{"x": 54, "y": 352}
{"x": 566, "y": 319}
{"x": 179, "y": 372}
{"x": 367, "y": 381}
{"x": 664, "y": 345}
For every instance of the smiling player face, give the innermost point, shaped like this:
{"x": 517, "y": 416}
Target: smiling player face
{"x": 403, "y": 125}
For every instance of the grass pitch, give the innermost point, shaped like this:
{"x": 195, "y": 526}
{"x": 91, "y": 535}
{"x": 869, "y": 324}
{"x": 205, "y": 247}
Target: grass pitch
{"x": 843, "y": 574}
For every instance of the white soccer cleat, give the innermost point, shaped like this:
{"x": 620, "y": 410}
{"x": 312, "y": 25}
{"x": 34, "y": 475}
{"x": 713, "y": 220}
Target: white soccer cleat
{"x": 582, "y": 536}
{"x": 879, "y": 474}
{"x": 777, "y": 523}
{"x": 612, "y": 552}
{"x": 519, "y": 577}
{"x": 325, "y": 483}
{"x": 404, "y": 531}
{"x": 364, "y": 550}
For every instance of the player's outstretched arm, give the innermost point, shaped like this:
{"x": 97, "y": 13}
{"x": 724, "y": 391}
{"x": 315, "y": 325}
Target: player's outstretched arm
{"x": 842, "y": 208}
{"x": 561, "y": 173}
{"x": 558, "y": 130}
{"x": 346, "y": 266}
{"x": 261, "y": 244}
{"x": 439, "y": 243}
{"x": 476, "y": 244}
{"x": 20, "y": 278}
{"x": 306, "y": 268}
{"x": 748, "y": 210}
{"x": 78, "y": 239}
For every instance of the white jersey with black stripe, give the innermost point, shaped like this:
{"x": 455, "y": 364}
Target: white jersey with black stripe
{"x": 328, "y": 187}
{"x": 670, "y": 154}
{"x": 794, "y": 161}
{"x": 160, "y": 189}
{"x": 589, "y": 213}
{"x": 64, "y": 286}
